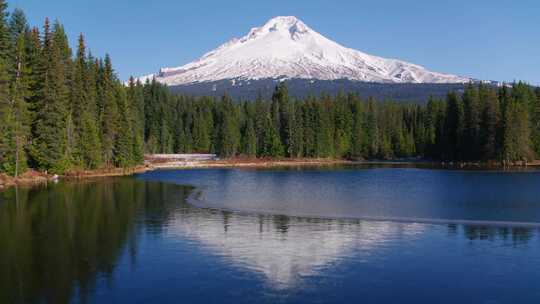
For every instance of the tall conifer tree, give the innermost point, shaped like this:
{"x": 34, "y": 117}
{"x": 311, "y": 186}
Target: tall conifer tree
{"x": 50, "y": 148}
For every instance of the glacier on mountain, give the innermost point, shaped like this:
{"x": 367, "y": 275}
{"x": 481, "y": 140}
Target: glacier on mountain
{"x": 286, "y": 48}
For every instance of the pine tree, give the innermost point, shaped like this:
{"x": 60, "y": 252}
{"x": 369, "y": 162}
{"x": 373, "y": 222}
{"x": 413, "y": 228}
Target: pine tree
{"x": 343, "y": 123}
{"x": 471, "y": 132}
{"x": 7, "y": 145}
{"x": 5, "y": 38}
{"x": 249, "y": 139}
{"x": 453, "y": 129}
{"x": 89, "y": 136}
{"x": 372, "y": 138}
{"x": 49, "y": 147}
{"x": 61, "y": 42}
{"x": 33, "y": 62}
{"x": 260, "y": 113}
{"x": 357, "y": 148}
{"x": 187, "y": 117}
{"x": 280, "y": 116}
{"x": 20, "y": 128}
{"x": 324, "y": 131}
{"x": 18, "y": 25}
{"x": 123, "y": 145}
{"x": 109, "y": 112}
{"x": 491, "y": 126}
{"x": 229, "y": 133}
{"x": 136, "y": 101}
{"x": 272, "y": 146}
{"x": 516, "y": 133}
{"x": 296, "y": 123}
{"x": 79, "y": 103}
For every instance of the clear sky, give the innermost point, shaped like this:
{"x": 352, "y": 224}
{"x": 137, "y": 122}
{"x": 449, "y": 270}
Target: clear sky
{"x": 496, "y": 40}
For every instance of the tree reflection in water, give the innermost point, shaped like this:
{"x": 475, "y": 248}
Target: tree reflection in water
{"x": 57, "y": 241}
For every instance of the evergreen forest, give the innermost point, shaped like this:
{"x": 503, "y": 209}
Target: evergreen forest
{"x": 65, "y": 110}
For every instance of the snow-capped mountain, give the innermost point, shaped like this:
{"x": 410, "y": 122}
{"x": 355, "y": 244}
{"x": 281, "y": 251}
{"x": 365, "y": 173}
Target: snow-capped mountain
{"x": 286, "y": 48}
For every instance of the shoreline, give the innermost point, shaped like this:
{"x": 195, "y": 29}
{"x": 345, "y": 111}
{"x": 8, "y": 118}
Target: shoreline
{"x": 250, "y": 163}
{"x": 32, "y": 177}
{"x": 35, "y": 178}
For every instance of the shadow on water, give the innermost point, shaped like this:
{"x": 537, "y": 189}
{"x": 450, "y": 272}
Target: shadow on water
{"x": 58, "y": 242}
{"x": 55, "y": 241}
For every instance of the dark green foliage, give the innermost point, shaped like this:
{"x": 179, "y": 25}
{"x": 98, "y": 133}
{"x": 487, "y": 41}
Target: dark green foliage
{"x": 109, "y": 111}
{"x": 490, "y": 131}
{"x": 61, "y": 112}
{"x": 7, "y": 144}
{"x": 228, "y": 134}
{"x": 16, "y": 117}
{"x": 135, "y": 101}
{"x": 471, "y": 129}
{"x": 123, "y": 144}
{"x": 18, "y": 25}
{"x": 461, "y": 128}
{"x": 50, "y": 149}
{"x": 5, "y": 38}
{"x": 516, "y": 146}
{"x": 453, "y": 129}
{"x": 249, "y": 134}
{"x": 358, "y": 150}
{"x": 271, "y": 143}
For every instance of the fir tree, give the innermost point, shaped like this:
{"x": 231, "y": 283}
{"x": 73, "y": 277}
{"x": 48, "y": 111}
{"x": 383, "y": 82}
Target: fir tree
{"x": 372, "y": 137}
{"x": 123, "y": 146}
{"x": 281, "y": 116}
{"x": 491, "y": 126}
{"x": 357, "y": 145}
{"x": 325, "y": 131}
{"x": 49, "y": 147}
{"x": 453, "y": 128}
{"x": 297, "y": 142}
{"x": 18, "y": 25}
{"x": 136, "y": 102}
{"x": 249, "y": 142}
{"x": 5, "y": 38}
{"x": 7, "y": 145}
{"x": 471, "y": 129}
{"x": 343, "y": 127}
{"x": 516, "y": 133}
{"x": 35, "y": 68}
{"x": 109, "y": 112}
{"x": 229, "y": 133}
{"x": 79, "y": 102}
{"x": 20, "y": 116}
{"x": 271, "y": 146}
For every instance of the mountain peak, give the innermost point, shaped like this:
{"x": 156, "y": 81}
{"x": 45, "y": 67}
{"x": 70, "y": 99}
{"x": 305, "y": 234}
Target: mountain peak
{"x": 285, "y": 23}
{"x": 285, "y": 47}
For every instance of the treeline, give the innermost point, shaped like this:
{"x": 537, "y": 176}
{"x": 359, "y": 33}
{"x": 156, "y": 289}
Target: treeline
{"x": 61, "y": 111}
{"x": 482, "y": 124}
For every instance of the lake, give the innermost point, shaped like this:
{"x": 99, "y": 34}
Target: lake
{"x": 292, "y": 235}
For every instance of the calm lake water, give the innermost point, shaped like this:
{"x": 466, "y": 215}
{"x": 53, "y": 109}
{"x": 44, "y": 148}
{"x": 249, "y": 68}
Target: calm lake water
{"x": 319, "y": 235}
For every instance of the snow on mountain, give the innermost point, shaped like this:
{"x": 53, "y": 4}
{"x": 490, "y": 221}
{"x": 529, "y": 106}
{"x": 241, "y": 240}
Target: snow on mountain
{"x": 287, "y": 48}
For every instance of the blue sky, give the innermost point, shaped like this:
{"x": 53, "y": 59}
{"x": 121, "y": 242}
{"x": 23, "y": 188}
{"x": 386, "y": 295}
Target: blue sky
{"x": 498, "y": 40}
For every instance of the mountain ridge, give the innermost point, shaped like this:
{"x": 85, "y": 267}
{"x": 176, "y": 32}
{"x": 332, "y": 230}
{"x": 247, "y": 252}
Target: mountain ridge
{"x": 286, "y": 48}
{"x": 302, "y": 88}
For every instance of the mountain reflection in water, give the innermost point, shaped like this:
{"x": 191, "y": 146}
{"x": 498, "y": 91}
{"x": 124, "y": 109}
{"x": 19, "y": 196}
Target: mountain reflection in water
{"x": 123, "y": 239}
